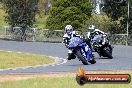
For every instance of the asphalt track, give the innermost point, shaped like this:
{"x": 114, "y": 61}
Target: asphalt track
{"x": 122, "y": 58}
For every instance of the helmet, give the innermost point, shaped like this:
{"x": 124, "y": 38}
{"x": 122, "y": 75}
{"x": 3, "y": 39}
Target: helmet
{"x": 68, "y": 29}
{"x": 92, "y": 27}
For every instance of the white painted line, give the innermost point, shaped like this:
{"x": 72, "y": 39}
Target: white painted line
{"x": 64, "y": 61}
{"x": 19, "y": 52}
{"x": 9, "y": 51}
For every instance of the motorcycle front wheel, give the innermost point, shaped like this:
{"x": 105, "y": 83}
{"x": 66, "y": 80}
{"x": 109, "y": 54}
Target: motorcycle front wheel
{"x": 80, "y": 57}
{"x": 108, "y": 53}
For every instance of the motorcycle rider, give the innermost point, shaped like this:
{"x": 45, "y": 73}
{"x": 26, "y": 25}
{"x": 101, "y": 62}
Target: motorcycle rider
{"x": 98, "y": 35}
{"x": 69, "y": 33}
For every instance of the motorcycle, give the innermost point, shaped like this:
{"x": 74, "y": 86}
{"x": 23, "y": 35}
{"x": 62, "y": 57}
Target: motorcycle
{"x": 102, "y": 47}
{"x": 81, "y": 50}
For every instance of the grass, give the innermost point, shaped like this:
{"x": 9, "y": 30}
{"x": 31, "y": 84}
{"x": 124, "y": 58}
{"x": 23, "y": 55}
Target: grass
{"x": 56, "y": 82}
{"x": 13, "y": 59}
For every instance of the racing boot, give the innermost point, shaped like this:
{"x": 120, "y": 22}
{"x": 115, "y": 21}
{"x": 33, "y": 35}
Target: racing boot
{"x": 71, "y": 56}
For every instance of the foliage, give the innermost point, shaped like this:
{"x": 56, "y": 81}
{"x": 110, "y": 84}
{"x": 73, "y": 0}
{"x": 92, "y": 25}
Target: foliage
{"x": 40, "y": 18}
{"x": 114, "y": 9}
{"x": 40, "y": 21}
{"x": 125, "y": 18}
{"x": 2, "y": 14}
{"x": 43, "y": 7}
{"x": 63, "y": 12}
{"x": 20, "y": 12}
{"x": 130, "y": 18}
{"x": 102, "y": 22}
{"x": 117, "y": 11}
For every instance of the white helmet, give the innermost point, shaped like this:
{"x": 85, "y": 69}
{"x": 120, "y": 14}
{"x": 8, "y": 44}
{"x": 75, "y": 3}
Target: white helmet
{"x": 68, "y": 29}
{"x": 92, "y": 27}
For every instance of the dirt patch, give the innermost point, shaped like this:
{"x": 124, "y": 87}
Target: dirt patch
{"x": 16, "y": 77}
{"x": 13, "y": 78}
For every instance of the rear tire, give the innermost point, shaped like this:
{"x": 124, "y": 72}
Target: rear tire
{"x": 80, "y": 57}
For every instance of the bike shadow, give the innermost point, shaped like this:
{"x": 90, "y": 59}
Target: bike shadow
{"x": 76, "y": 65}
{"x": 102, "y": 58}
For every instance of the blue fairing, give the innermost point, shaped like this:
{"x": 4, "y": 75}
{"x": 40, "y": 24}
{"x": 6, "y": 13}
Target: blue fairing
{"x": 89, "y": 54}
{"x": 77, "y": 42}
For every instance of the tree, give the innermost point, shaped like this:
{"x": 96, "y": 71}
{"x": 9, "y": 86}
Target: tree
{"x": 130, "y": 18}
{"x": 43, "y": 7}
{"x": 102, "y": 22}
{"x": 115, "y": 8}
{"x": 117, "y": 11}
{"x": 63, "y": 12}
{"x": 20, "y": 12}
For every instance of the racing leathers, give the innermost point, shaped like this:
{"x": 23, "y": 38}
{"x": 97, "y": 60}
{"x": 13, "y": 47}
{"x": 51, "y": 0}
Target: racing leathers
{"x": 97, "y": 35}
{"x": 66, "y": 39}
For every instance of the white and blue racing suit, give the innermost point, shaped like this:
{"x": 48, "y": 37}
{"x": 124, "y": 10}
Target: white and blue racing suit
{"x": 66, "y": 39}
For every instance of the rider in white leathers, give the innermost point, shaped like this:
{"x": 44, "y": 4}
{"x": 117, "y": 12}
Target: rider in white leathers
{"x": 69, "y": 33}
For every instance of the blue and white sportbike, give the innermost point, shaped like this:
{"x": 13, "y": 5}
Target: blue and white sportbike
{"x": 81, "y": 50}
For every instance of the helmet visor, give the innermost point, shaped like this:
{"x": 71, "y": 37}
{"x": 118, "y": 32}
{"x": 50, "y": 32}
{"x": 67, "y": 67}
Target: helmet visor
{"x": 68, "y": 31}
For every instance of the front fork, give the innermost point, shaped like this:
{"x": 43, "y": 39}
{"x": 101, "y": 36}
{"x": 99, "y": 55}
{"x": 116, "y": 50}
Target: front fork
{"x": 87, "y": 51}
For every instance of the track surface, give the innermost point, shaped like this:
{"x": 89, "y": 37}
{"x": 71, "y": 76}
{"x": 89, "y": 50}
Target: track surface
{"x": 122, "y": 57}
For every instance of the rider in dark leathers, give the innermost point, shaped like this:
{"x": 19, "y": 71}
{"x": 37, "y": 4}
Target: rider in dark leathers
{"x": 97, "y": 35}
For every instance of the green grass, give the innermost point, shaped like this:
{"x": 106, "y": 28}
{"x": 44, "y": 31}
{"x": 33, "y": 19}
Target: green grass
{"x": 59, "y": 82}
{"x": 13, "y": 59}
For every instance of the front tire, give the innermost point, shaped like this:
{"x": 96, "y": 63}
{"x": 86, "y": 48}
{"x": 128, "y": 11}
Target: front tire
{"x": 80, "y": 57}
{"x": 92, "y": 61}
{"x": 108, "y": 54}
